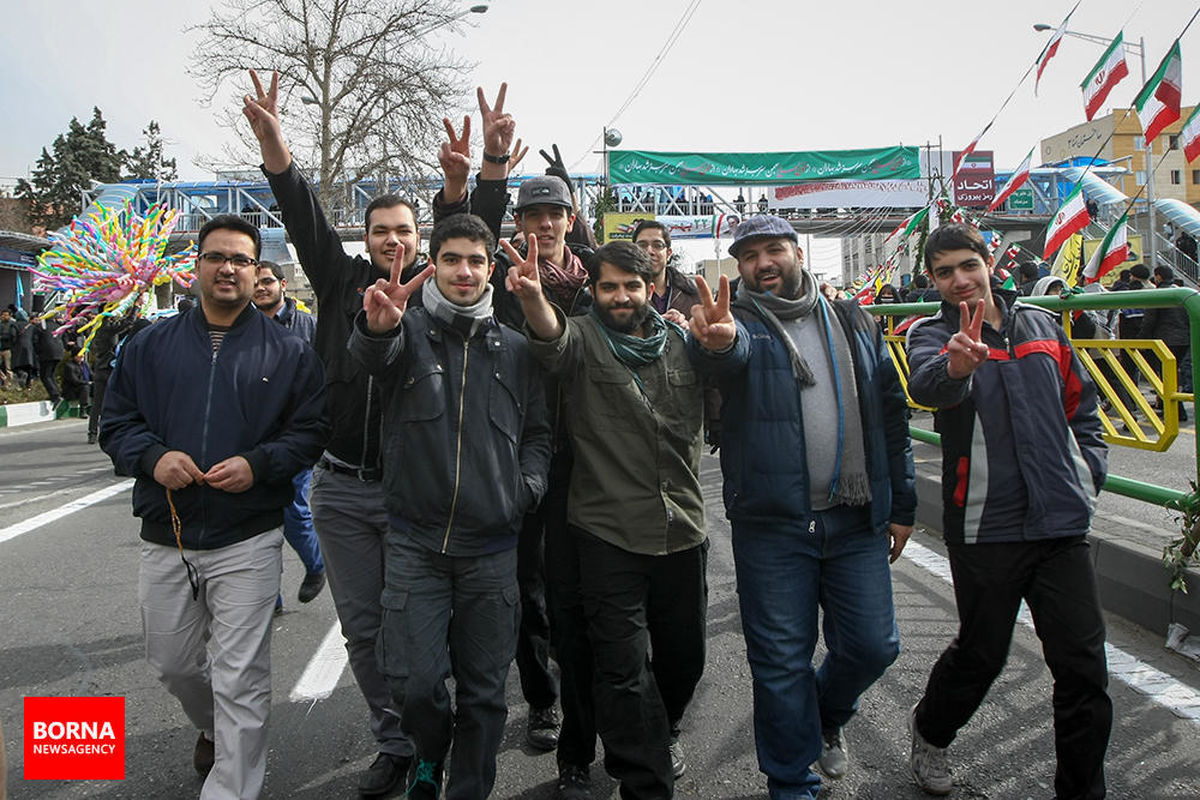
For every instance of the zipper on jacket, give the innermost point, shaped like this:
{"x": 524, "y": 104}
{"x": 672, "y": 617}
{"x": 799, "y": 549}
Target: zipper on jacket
{"x": 462, "y": 399}
{"x": 362, "y": 459}
{"x": 212, "y": 377}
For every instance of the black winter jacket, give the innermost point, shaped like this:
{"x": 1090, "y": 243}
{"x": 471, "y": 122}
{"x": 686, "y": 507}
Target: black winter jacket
{"x": 466, "y": 442}
{"x": 261, "y": 396}
{"x": 338, "y": 281}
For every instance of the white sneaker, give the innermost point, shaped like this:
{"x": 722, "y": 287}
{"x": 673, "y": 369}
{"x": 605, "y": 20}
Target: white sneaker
{"x": 835, "y": 759}
{"x": 928, "y": 763}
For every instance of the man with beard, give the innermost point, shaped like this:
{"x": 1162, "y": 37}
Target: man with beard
{"x": 465, "y": 398}
{"x": 270, "y": 298}
{"x": 818, "y": 479}
{"x": 347, "y": 498}
{"x": 634, "y": 507}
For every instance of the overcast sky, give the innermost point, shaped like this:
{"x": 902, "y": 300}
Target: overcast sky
{"x": 756, "y": 75}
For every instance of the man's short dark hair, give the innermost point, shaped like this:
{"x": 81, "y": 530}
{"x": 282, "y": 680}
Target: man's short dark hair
{"x": 652, "y": 224}
{"x": 1140, "y": 271}
{"x": 461, "y": 226}
{"x": 625, "y": 256}
{"x": 1028, "y": 271}
{"x": 276, "y": 270}
{"x": 230, "y": 222}
{"x": 387, "y": 201}
{"x": 955, "y": 236}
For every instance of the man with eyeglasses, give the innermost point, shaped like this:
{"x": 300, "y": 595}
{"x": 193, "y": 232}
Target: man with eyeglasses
{"x": 347, "y": 497}
{"x": 672, "y": 289}
{"x": 213, "y": 411}
{"x": 270, "y": 297}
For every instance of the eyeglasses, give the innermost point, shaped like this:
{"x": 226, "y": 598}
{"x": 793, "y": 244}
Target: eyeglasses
{"x": 215, "y": 259}
{"x": 652, "y": 244}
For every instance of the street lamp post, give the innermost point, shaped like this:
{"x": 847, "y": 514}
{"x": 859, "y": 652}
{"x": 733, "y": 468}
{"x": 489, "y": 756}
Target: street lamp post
{"x": 1140, "y": 49}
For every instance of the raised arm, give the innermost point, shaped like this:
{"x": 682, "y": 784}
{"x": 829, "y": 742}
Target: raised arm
{"x": 524, "y": 282}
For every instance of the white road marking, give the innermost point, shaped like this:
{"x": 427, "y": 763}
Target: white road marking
{"x": 1181, "y": 700}
{"x": 324, "y": 669}
{"x": 33, "y": 523}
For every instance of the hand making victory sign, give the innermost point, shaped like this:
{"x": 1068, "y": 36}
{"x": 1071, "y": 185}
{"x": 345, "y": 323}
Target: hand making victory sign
{"x": 262, "y": 111}
{"x": 712, "y": 323}
{"x": 965, "y": 348}
{"x": 523, "y": 279}
{"x": 386, "y": 301}
{"x": 525, "y": 283}
{"x": 455, "y": 159}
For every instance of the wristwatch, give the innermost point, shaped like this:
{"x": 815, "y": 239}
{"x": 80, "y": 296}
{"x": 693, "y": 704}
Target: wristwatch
{"x": 491, "y": 159}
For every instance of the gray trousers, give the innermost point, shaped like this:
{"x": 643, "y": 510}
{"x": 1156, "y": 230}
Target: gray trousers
{"x": 450, "y": 616}
{"x": 214, "y": 653}
{"x": 351, "y": 523}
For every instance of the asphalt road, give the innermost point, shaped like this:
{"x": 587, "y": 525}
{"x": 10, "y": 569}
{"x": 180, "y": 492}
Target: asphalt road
{"x": 69, "y": 625}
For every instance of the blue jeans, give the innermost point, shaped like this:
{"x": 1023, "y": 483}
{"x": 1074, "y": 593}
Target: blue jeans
{"x": 298, "y": 525}
{"x": 783, "y": 573}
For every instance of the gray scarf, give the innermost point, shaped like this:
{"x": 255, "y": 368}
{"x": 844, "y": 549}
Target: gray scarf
{"x": 851, "y": 484}
{"x": 464, "y": 320}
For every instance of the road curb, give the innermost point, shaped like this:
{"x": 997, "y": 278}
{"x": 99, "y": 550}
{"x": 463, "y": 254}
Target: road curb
{"x": 15, "y": 414}
{"x": 1131, "y": 576}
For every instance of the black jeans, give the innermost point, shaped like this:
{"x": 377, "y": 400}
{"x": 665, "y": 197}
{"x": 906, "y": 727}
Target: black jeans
{"x": 46, "y": 373}
{"x": 548, "y": 520}
{"x": 99, "y": 387}
{"x": 568, "y": 624}
{"x": 1056, "y": 580}
{"x": 637, "y": 605}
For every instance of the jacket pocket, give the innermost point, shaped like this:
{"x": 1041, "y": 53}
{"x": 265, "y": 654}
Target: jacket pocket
{"x": 503, "y": 406}
{"x": 423, "y": 393}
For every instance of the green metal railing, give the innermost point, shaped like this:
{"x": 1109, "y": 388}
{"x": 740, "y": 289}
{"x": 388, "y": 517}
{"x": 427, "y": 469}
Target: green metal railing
{"x": 1120, "y": 395}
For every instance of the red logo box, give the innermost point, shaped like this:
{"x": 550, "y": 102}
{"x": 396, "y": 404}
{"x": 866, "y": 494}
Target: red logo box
{"x": 75, "y": 738}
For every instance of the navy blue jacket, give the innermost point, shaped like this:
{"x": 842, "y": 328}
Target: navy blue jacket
{"x": 762, "y": 433}
{"x": 261, "y": 396}
{"x": 1022, "y": 453}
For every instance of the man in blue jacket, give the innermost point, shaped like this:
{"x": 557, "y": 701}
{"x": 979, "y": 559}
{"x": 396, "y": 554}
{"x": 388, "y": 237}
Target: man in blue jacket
{"x": 819, "y": 490}
{"x": 270, "y": 297}
{"x": 1022, "y": 463}
{"x": 213, "y": 411}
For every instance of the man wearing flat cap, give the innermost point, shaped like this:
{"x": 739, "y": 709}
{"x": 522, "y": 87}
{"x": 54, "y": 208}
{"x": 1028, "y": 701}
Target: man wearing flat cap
{"x": 818, "y": 476}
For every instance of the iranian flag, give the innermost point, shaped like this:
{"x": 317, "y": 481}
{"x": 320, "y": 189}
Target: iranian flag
{"x": 905, "y": 229}
{"x": 1071, "y": 218}
{"x": 1158, "y": 102}
{"x": 1051, "y": 49}
{"x": 962, "y": 156}
{"x": 1107, "y": 73}
{"x": 1112, "y": 252}
{"x": 1190, "y": 138}
{"x": 1015, "y": 182}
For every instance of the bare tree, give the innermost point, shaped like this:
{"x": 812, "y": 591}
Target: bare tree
{"x": 373, "y": 83}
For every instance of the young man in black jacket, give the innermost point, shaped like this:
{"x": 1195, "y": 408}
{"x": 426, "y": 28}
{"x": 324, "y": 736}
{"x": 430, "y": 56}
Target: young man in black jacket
{"x": 465, "y": 399}
{"x": 347, "y": 497}
{"x": 213, "y": 411}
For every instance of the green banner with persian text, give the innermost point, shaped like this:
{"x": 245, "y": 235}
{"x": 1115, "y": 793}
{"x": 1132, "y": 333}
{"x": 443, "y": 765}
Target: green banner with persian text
{"x": 881, "y": 163}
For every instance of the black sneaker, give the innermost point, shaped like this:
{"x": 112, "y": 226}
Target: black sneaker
{"x": 384, "y": 775}
{"x": 204, "y": 756}
{"x": 427, "y": 781}
{"x": 542, "y": 729}
{"x": 678, "y": 759}
{"x": 574, "y": 783}
{"x": 311, "y": 586}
